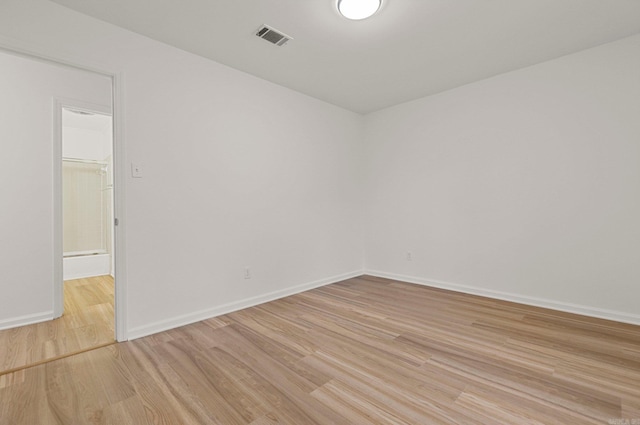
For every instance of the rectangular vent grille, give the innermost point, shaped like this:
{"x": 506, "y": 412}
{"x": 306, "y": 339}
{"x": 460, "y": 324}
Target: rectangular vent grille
{"x": 272, "y": 36}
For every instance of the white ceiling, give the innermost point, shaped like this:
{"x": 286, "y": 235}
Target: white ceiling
{"x": 409, "y": 49}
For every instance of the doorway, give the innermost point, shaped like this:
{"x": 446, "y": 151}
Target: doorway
{"x": 87, "y": 193}
{"x": 32, "y": 300}
{"x": 87, "y": 220}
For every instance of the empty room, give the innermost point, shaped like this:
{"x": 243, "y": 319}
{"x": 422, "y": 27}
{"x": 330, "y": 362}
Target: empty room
{"x": 320, "y": 212}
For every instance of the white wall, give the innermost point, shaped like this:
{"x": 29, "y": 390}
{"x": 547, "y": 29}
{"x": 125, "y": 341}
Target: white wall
{"x": 238, "y": 172}
{"x": 83, "y": 143}
{"x": 27, "y": 90}
{"x": 87, "y": 136}
{"x": 523, "y": 186}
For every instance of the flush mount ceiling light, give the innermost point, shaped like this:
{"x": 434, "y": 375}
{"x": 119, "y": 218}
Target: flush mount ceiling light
{"x": 358, "y": 9}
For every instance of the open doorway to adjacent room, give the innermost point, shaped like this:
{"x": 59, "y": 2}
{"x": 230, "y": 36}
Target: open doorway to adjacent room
{"x": 59, "y": 245}
{"x": 88, "y": 223}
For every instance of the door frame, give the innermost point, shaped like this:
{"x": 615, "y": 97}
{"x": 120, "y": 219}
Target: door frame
{"x": 13, "y": 46}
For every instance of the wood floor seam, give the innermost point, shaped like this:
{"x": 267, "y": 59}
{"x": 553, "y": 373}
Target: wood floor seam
{"x": 53, "y": 359}
{"x": 87, "y": 322}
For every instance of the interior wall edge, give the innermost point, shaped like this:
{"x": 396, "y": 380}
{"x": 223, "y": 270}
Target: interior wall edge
{"x": 197, "y": 316}
{"x": 28, "y": 319}
{"x": 617, "y": 316}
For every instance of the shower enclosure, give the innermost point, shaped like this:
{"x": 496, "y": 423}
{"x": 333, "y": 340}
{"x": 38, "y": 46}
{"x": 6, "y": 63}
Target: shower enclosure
{"x": 85, "y": 207}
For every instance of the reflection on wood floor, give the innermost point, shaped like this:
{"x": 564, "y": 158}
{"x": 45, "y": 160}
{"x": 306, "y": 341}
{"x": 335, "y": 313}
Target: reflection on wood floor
{"x": 362, "y": 351}
{"x": 88, "y": 321}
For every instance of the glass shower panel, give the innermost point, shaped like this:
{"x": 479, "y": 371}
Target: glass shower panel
{"x": 84, "y": 221}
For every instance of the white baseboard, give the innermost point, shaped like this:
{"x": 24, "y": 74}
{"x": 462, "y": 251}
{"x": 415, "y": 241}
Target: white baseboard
{"x": 521, "y": 299}
{"x": 198, "y": 316}
{"x": 86, "y": 266}
{"x": 29, "y": 319}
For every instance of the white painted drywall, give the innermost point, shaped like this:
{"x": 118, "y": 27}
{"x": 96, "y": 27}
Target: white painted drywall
{"x": 86, "y": 136}
{"x": 526, "y": 185}
{"x": 237, "y": 172}
{"x": 84, "y": 144}
{"x": 27, "y": 90}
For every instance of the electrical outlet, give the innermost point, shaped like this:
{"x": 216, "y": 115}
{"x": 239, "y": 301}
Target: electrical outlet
{"x": 247, "y": 273}
{"x": 409, "y": 256}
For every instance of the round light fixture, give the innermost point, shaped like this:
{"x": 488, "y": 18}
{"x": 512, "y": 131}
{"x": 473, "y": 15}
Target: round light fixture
{"x": 358, "y": 9}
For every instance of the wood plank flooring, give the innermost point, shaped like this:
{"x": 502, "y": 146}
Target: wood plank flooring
{"x": 88, "y": 321}
{"x": 362, "y": 351}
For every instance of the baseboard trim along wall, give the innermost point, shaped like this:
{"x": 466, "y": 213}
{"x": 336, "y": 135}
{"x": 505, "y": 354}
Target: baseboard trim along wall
{"x": 29, "y": 319}
{"x": 520, "y": 299}
{"x": 198, "y": 316}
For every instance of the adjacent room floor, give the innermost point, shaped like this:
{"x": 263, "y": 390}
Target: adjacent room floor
{"x": 87, "y": 322}
{"x": 362, "y": 351}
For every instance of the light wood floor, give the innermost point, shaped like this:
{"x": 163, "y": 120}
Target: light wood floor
{"x": 363, "y": 351}
{"x": 88, "y": 321}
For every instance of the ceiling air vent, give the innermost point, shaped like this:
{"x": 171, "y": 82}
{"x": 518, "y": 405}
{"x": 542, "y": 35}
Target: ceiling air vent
{"x": 272, "y": 35}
